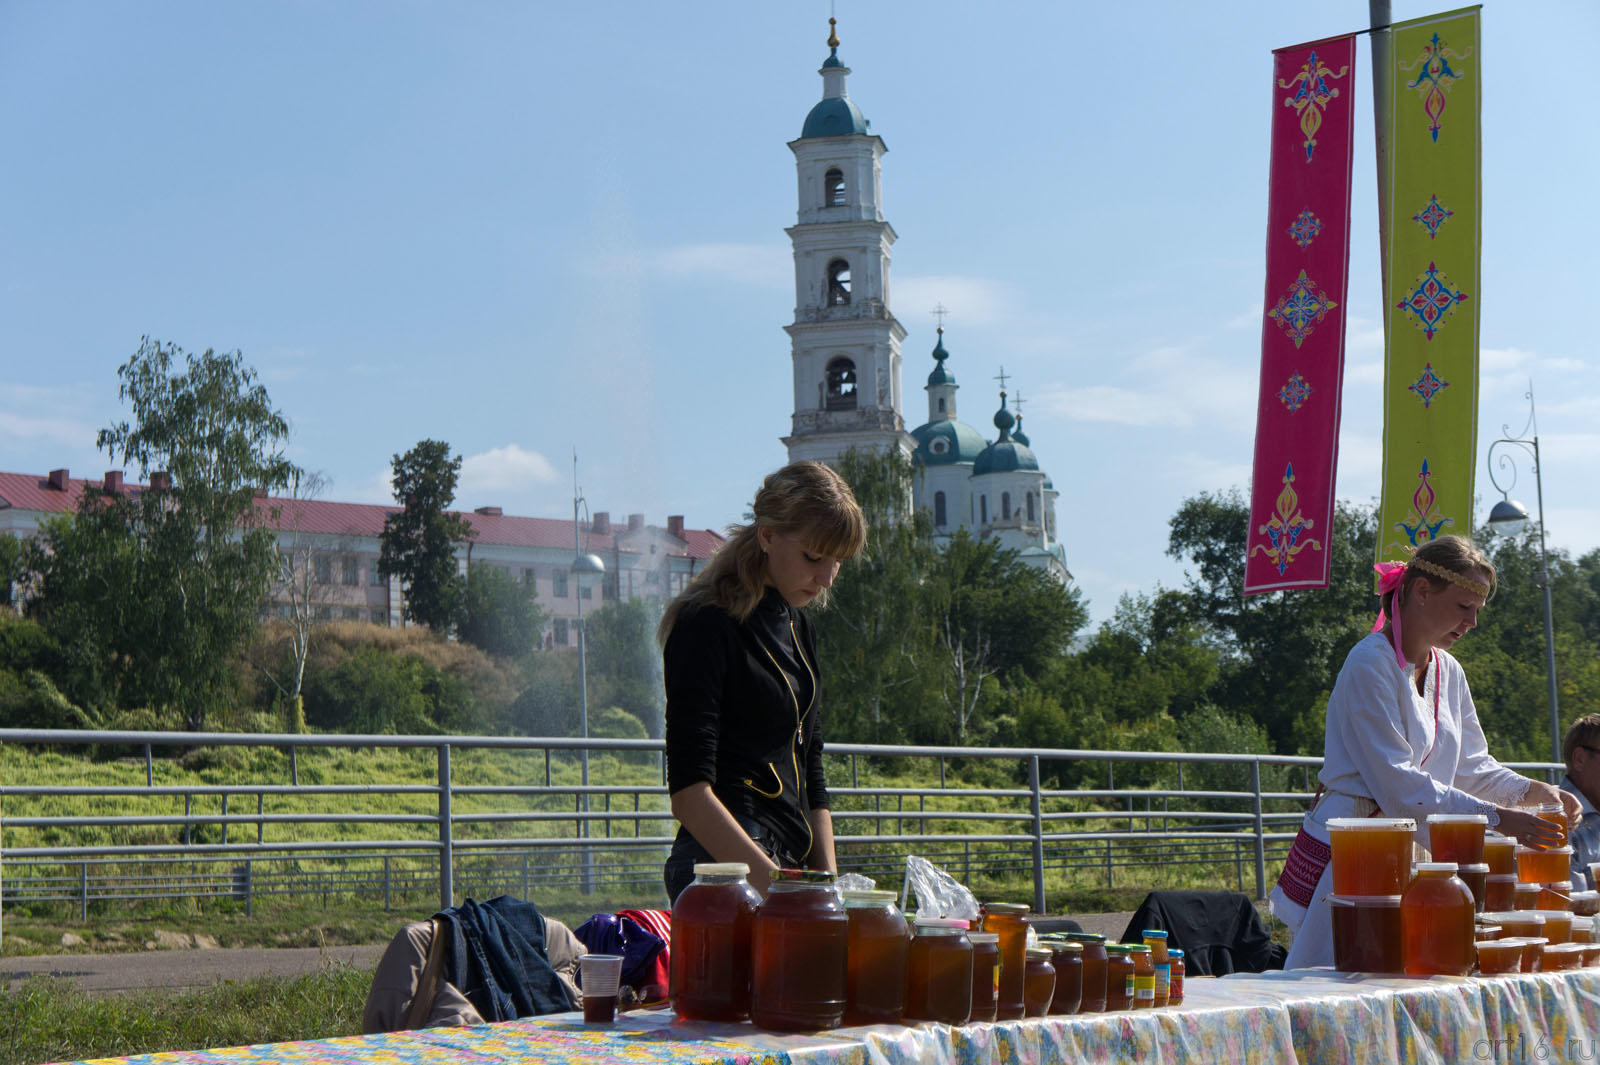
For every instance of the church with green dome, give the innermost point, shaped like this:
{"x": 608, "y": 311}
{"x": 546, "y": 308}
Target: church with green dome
{"x": 845, "y": 345}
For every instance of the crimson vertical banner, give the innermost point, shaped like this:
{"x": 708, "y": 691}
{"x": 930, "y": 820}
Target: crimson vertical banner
{"x": 1303, "y": 327}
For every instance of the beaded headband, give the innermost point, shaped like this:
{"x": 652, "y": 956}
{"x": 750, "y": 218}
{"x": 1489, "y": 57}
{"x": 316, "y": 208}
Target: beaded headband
{"x": 1458, "y": 579}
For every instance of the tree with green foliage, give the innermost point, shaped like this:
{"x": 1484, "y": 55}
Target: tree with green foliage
{"x": 624, "y": 660}
{"x": 13, "y": 569}
{"x": 419, "y": 543}
{"x": 499, "y": 613}
{"x": 153, "y": 590}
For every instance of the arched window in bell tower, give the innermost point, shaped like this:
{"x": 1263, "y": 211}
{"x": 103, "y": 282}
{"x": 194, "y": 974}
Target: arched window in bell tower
{"x": 841, "y": 393}
{"x": 833, "y": 190}
{"x": 838, "y": 284}
{"x": 1005, "y": 506}
{"x": 938, "y": 509}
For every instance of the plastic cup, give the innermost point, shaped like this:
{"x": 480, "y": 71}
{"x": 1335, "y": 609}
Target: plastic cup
{"x": 599, "y": 975}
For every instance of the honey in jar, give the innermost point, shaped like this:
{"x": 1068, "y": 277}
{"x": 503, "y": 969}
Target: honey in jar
{"x": 801, "y": 943}
{"x": 708, "y": 970}
{"x": 1457, "y": 837}
{"x": 1476, "y": 877}
{"x": 939, "y": 972}
{"x": 1038, "y": 983}
{"x": 1009, "y": 921}
{"x": 1156, "y": 940}
{"x": 1532, "y": 948}
{"x": 1067, "y": 957}
{"x": 1518, "y": 923}
{"x": 1556, "y": 814}
{"x": 1367, "y": 935}
{"x": 1094, "y": 971}
{"x": 1500, "y": 853}
{"x": 1525, "y": 896}
{"x": 985, "y": 974}
{"x": 1535, "y": 866}
{"x": 1175, "y": 997}
{"x": 1497, "y": 956}
{"x": 1557, "y": 925}
{"x": 1559, "y": 957}
{"x": 1586, "y": 903}
{"x": 1482, "y": 931}
{"x": 1591, "y": 954}
{"x": 1119, "y": 977}
{"x": 1436, "y": 918}
{"x": 1582, "y": 929}
{"x": 1144, "y": 976}
{"x": 1371, "y": 855}
{"x": 1557, "y": 896}
{"x": 1499, "y": 892}
{"x": 875, "y": 980}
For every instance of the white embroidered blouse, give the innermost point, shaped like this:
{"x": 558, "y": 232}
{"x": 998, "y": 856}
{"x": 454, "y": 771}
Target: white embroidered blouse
{"x": 1383, "y": 743}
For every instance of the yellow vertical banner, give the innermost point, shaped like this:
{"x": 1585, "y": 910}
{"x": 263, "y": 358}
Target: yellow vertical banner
{"x": 1430, "y": 389}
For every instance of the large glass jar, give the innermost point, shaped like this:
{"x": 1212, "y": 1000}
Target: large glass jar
{"x": 1067, "y": 957}
{"x": 1038, "y": 982}
{"x": 939, "y": 972}
{"x": 1094, "y": 971}
{"x": 801, "y": 940}
{"x": 1119, "y": 977}
{"x": 1156, "y": 940}
{"x": 1144, "y": 976}
{"x": 875, "y": 987}
{"x": 1436, "y": 920}
{"x": 1009, "y": 921}
{"x": 985, "y": 974}
{"x": 709, "y": 966}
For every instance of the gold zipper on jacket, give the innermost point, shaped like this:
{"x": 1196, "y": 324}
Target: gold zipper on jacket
{"x": 799, "y": 724}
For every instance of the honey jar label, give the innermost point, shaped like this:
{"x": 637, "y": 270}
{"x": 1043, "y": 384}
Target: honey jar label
{"x": 1163, "y": 979}
{"x": 1144, "y": 988}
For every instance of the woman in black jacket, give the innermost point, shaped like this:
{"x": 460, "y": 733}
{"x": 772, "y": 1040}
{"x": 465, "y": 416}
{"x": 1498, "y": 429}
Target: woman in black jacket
{"x": 744, "y": 735}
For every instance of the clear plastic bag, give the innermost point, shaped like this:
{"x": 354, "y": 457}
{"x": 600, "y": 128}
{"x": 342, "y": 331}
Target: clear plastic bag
{"x": 854, "y": 882}
{"x": 938, "y": 893}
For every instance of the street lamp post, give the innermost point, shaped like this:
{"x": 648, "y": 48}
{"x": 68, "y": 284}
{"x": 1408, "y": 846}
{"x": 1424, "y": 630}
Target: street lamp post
{"x": 587, "y": 570}
{"x": 1510, "y": 517}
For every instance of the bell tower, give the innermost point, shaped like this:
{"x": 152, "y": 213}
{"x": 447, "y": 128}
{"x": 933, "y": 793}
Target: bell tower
{"x": 845, "y": 342}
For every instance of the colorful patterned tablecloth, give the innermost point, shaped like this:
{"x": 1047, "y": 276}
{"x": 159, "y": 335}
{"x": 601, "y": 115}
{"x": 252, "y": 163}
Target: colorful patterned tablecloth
{"x": 1312, "y": 1016}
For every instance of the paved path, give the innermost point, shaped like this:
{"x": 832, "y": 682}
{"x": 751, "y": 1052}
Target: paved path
{"x": 178, "y": 969}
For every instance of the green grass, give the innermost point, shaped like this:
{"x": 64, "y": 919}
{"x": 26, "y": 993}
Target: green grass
{"x": 44, "y": 1019}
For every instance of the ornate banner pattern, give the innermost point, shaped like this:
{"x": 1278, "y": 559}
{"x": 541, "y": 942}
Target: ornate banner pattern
{"x": 1303, "y": 328}
{"x": 1430, "y": 390}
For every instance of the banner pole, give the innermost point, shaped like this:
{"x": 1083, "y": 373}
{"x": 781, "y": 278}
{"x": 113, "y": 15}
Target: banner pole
{"x": 1380, "y": 18}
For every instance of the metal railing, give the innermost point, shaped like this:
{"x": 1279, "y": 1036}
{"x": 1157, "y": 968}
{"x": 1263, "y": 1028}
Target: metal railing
{"x": 527, "y": 838}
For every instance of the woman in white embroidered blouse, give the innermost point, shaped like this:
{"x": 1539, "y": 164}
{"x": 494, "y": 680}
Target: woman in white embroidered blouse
{"x": 1402, "y": 735}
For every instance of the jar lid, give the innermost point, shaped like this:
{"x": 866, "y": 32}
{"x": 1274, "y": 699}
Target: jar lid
{"x": 1552, "y": 915}
{"x": 1066, "y": 945}
{"x": 1153, "y": 933}
{"x": 1137, "y": 948}
{"x": 1371, "y": 824}
{"x": 952, "y": 923}
{"x": 1085, "y": 937}
{"x": 1437, "y": 867}
{"x": 1502, "y": 878}
{"x": 1458, "y": 819}
{"x": 983, "y": 937}
{"x": 1377, "y": 901}
{"x": 721, "y": 869}
{"x": 868, "y": 897}
{"x": 1123, "y": 948}
{"x": 1174, "y": 952}
{"x": 1523, "y": 848}
{"x": 1006, "y": 909}
{"x": 1511, "y": 916}
{"x": 802, "y": 876}
{"x": 1498, "y": 839}
{"x": 1038, "y": 954}
{"x": 1477, "y": 867}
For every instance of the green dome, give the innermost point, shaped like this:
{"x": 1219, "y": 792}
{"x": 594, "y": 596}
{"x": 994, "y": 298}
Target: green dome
{"x": 1005, "y": 455}
{"x": 835, "y": 116}
{"x": 946, "y": 443}
{"x": 940, "y": 376}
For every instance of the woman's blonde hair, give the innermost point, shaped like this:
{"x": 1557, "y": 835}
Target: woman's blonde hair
{"x": 804, "y": 499}
{"x": 1440, "y": 562}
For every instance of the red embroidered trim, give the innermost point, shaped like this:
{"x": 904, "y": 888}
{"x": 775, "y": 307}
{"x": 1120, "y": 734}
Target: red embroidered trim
{"x": 1307, "y": 859}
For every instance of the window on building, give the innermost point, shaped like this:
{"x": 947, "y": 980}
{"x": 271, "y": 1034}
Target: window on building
{"x": 938, "y": 508}
{"x": 941, "y": 405}
{"x": 833, "y": 191}
{"x": 350, "y": 570}
{"x": 1005, "y": 506}
{"x": 558, "y": 583}
{"x": 561, "y": 632}
{"x": 377, "y": 577}
{"x": 841, "y": 385}
{"x": 379, "y": 617}
{"x": 324, "y": 568}
{"x": 983, "y": 509}
{"x": 838, "y": 283}
{"x": 609, "y": 587}
{"x": 528, "y": 574}
{"x": 350, "y": 613}
{"x": 585, "y": 591}
{"x": 1031, "y": 518}
{"x": 322, "y": 613}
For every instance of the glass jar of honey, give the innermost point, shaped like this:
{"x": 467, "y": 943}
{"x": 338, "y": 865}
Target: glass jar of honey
{"x": 1038, "y": 982}
{"x": 1500, "y": 852}
{"x": 1457, "y": 837}
{"x": 1476, "y": 877}
{"x": 1436, "y": 921}
{"x": 1067, "y": 957}
{"x": 1119, "y": 977}
{"x": 1094, "y": 971}
{"x": 880, "y": 939}
{"x": 1144, "y": 976}
{"x": 985, "y": 974}
{"x": 1532, "y": 950}
{"x": 1367, "y": 936}
{"x": 1497, "y": 956}
{"x": 1525, "y": 896}
{"x": 1557, "y": 896}
{"x": 1499, "y": 892}
{"x": 800, "y": 947}
{"x": 1156, "y": 940}
{"x": 1175, "y": 998}
{"x": 708, "y": 969}
{"x": 1556, "y": 814}
{"x": 1557, "y": 926}
{"x": 939, "y": 972}
{"x": 1009, "y": 921}
{"x": 1371, "y": 855}
{"x": 1535, "y": 866}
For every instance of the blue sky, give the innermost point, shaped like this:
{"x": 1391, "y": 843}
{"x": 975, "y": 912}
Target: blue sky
{"x": 524, "y": 228}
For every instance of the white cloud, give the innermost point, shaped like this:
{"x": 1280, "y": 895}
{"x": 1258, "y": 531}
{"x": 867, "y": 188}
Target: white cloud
{"x": 762, "y": 265}
{"x": 509, "y": 470}
{"x": 376, "y": 488}
{"x": 1171, "y": 388}
{"x": 971, "y": 301}
{"x": 57, "y": 430}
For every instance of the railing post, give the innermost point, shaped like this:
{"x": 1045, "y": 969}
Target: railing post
{"x": 1038, "y": 835}
{"x": 149, "y": 768}
{"x": 294, "y": 765}
{"x": 261, "y": 826}
{"x": 446, "y": 833}
{"x": 83, "y": 891}
{"x": 1261, "y": 843}
{"x": 1109, "y": 879}
{"x": 224, "y": 819}
{"x": 386, "y": 883}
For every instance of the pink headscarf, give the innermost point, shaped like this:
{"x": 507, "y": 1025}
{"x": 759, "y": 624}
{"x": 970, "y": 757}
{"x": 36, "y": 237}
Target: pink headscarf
{"x": 1390, "y": 574}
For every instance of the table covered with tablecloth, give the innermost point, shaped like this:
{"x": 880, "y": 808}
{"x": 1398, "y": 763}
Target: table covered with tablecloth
{"x": 1309, "y": 1015}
